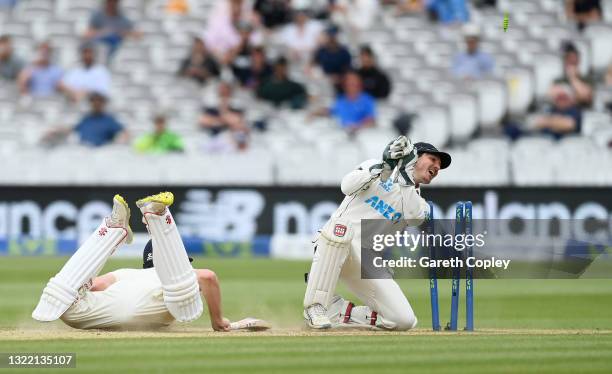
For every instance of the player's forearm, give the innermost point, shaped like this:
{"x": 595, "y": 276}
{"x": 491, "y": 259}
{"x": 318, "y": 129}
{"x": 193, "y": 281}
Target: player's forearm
{"x": 212, "y": 294}
{"x": 558, "y": 123}
{"x": 101, "y": 283}
{"x": 583, "y": 91}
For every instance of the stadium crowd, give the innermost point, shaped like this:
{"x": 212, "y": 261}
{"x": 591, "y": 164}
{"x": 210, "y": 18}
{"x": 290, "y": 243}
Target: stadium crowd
{"x": 322, "y": 41}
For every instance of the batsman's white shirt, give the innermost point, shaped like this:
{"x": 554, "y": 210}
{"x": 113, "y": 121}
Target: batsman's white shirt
{"x": 134, "y": 300}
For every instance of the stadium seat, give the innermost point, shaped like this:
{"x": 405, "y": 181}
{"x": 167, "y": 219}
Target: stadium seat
{"x": 524, "y": 171}
{"x": 547, "y": 68}
{"x": 463, "y": 115}
{"x": 492, "y": 101}
{"x": 372, "y": 141}
{"x": 601, "y": 45}
{"x": 297, "y": 149}
{"x": 520, "y": 89}
{"x": 432, "y": 125}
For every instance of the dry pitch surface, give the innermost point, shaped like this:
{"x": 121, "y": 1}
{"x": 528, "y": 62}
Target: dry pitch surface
{"x": 61, "y": 332}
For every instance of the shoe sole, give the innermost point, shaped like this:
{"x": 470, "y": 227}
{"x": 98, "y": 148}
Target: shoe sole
{"x": 324, "y": 327}
{"x": 166, "y": 198}
{"x": 309, "y": 323}
{"x": 122, "y": 201}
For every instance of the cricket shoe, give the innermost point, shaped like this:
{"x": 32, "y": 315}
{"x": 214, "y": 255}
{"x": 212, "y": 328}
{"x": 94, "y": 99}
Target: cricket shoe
{"x": 316, "y": 317}
{"x": 339, "y": 312}
{"x": 155, "y": 204}
{"x": 120, "y": 217}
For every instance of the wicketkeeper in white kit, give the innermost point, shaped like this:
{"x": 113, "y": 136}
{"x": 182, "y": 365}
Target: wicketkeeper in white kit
{"x": 387, "y": 190}
{"x": 135, "y": 298}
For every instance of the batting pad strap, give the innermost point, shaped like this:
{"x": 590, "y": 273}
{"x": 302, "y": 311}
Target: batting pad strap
{"x": 347, "y": 313}
{"x": 180, "y": 292}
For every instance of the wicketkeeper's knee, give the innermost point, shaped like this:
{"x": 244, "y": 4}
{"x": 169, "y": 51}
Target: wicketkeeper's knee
{"x": 398, "y": 321}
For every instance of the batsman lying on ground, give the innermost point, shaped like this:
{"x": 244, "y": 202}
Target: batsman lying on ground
{"x": 135, "y": 298}
{"x": 387, "y": 190}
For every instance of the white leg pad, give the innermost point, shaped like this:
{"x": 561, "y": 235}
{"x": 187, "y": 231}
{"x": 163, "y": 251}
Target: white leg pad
{"x": 332, "y": 250}
{"x": 179, "y": 282}
{"x": 63, "y": 289}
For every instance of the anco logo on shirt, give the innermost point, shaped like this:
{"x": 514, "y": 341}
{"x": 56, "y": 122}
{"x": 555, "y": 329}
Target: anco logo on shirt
{"x": 386, "y": 210}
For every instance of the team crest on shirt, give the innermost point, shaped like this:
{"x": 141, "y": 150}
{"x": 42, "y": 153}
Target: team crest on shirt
{"x": 102, "y": 231}
{"x": 339, "y": 230}
{"x": 168, "y": 219}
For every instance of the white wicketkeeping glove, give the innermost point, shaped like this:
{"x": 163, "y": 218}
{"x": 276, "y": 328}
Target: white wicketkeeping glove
{"x": 395, "y": 151}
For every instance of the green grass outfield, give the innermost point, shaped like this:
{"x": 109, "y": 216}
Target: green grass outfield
{"x": 522, "y": 326}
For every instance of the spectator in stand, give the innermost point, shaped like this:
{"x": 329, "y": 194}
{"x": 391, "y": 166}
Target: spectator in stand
{"x": 581, "y": 85}
{"x": 333, "y": 57}
{"x": 110, "y": 26}
{"x": 273, "y": 13}
{"x": 42, "y": 78}
{"x": 356, "y": 16}
{"x": 565, "y": 115}
{"x": 583, "y": 12}
{"x": 608, "y": 77}
{"x": 240, "y": 56}
{"x": 199, "y": 65}
{"x": 608, "y": 84}
{"x": 90, "y": 77}
{"x": 375, "y": 82}
{"x": 223, "y": 113}
{"x": 302, "y": 36}
{"x": 10, "y": 64}
{"x": 279, "y": 89}
{"x": 161, "y": 140}
{"x": 225, "y": 121}
{"x": 221, "y": 35}
{"x": 449, "y": 12}
{"x": 96, "y": 128}
{"x": 256, "y": 69}
{"x": 473, "y": 63}
{"x": 354, "y": 109}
